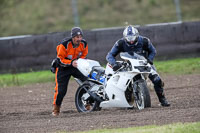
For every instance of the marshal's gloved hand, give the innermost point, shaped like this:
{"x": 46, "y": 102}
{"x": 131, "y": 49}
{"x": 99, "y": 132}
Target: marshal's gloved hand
{"x": 54, "y": 65}
{"x": 116, "y": 66}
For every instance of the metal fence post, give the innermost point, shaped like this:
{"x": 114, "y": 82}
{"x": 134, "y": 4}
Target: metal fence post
{"x": 75, "y": 12}
{"x": 178, "y": 10}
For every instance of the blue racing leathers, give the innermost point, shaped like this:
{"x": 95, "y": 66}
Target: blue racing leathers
{"x": 143, "y": 47}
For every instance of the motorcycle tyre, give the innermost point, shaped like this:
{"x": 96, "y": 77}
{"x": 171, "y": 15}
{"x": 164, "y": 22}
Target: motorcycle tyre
{"x": 80, "y": 105}
{"x": 144, "y": 89}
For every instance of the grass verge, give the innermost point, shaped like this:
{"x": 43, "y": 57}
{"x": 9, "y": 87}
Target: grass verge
{"x": 26, "y": 78}
{"x": 178, "y": 66}
{"x": 171, "y": 128}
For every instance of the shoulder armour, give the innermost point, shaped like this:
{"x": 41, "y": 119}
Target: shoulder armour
{"x": 120, "y": 44}
{"x": 145, "y": 43}
{"x": 145, "y": 40}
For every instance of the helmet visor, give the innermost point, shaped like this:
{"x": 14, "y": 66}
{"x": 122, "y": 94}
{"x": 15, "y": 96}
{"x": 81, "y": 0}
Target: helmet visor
{"x": 131, "y": 38}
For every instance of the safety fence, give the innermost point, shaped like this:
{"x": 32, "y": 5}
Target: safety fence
{"x": 35, "y": 52}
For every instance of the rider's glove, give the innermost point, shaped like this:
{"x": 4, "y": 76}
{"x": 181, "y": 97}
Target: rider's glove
{"x": 116, "y": 66}
{"x": 150, "y": 61}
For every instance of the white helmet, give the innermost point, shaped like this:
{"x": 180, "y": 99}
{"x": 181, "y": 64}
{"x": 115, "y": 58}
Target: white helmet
{"x": 130, "y": 34}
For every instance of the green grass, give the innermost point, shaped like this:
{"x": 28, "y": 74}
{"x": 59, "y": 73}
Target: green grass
{"x": 171, "y": 128}
{"x": 26, "y": 78}
{"x": 46, "y": 16}
{"x": 178, "y": 66}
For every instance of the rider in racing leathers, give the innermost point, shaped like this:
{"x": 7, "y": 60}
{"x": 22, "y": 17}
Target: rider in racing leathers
{"x": 133, "y": 42}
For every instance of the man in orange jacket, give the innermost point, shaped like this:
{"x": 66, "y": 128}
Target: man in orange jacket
{"x": 68, "y": 51}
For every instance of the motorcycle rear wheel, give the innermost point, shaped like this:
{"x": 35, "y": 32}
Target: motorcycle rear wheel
{"x": 143, "y": 99}
{"x": 83, "y": 101}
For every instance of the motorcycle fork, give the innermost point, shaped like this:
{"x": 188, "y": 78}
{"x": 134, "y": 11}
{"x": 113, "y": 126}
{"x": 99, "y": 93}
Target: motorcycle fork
{"x": 135, "y": 82}
{"x": 135, "y": 91}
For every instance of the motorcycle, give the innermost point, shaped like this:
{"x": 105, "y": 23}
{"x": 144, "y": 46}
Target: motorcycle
{"x": 106, "y": 88}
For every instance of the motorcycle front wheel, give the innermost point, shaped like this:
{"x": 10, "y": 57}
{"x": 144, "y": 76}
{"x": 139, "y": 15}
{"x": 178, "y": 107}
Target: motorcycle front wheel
{"x": 83, "y": 101}
{"x": 143, "y": 99}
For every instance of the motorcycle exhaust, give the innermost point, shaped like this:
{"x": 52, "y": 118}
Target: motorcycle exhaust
{"x": 95, "y": 96}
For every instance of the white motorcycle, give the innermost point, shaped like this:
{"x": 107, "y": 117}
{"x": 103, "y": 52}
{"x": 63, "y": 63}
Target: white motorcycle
{"x": 105, "y": 88}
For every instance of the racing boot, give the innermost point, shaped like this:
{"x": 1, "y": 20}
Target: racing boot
{"x": 162, "y": 99}
{"x": 56, "y": 110}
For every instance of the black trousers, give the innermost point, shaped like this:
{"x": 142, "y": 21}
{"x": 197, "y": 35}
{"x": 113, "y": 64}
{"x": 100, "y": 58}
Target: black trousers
{"x": 63, "y": 77}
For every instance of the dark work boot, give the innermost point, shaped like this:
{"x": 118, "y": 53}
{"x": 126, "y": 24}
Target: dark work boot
{"x": 162, "y": 99}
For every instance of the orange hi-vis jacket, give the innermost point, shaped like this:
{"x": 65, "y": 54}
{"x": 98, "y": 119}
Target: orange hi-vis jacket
{"x": 67, "y": 52}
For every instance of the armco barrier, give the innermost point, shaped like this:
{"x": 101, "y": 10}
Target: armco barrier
{"x": 172, "y": 40}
